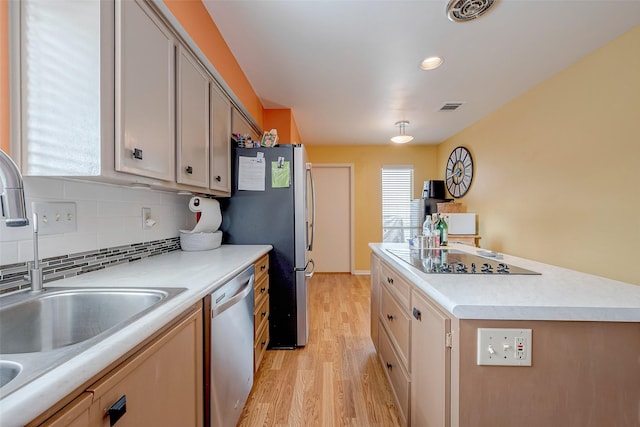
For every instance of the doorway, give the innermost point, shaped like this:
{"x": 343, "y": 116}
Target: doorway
{"x": 333, "y": 246}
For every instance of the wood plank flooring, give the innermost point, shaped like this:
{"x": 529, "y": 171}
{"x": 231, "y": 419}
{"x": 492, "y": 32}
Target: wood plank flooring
{"x": 337, "y": 379}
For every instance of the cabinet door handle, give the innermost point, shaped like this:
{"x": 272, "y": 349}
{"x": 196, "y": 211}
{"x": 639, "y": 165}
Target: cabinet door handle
{"x": 390, "y": 280}
{"x": 390, "y": 317}
{"x": 417, "y": 314}
{"x": 264, "y": 313}
{"x": 262, "y": 267}
{"x": 389, "y": 366}
{"x": 262, "y": 290}
{"x": 117, "y": 410}
{"x": 218, "y": 178}
{"x": 136, "y": 153}
{"x": 189, "y": 170}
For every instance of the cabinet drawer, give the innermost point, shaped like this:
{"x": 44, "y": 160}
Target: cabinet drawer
{"x": 397, "y": 322}
{"x": 260, "y": 347}
{"x": 395, "y": 284}
{"x": 261, "y": 316}
{"x": 262, "y": 267}
{"x": 398, "y": 377}
{"x": 261, "y": 290}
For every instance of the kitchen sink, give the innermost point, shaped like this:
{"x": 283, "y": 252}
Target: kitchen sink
{"x": 8, "y": 371}
{"x": 57, "y": 319}
{"x": 39, "y": 331}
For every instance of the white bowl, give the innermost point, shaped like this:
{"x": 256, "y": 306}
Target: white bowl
{"x": 200, "y": 241}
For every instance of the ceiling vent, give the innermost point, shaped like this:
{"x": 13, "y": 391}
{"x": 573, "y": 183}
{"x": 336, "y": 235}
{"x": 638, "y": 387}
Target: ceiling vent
{"x": 467, "y": 10}
{"x": 451, "y": 106}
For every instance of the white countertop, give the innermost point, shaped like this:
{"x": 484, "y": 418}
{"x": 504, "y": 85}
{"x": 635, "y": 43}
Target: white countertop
{"x": 556, "y": 294}
{"x": 199, "y": 272}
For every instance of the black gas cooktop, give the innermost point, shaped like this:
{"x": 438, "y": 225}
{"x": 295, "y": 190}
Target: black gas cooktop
{"x": 453, "y": 261}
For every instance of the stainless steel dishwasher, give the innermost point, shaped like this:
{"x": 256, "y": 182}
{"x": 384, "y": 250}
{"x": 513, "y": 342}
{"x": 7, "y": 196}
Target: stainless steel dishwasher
{"x": 231, "y": 348}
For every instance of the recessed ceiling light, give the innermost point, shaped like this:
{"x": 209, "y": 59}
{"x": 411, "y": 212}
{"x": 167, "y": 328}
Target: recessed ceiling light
{"x": 431, "y": 63}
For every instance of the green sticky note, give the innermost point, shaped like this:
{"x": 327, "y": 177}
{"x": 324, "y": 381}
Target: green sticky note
{"x": 280, "y": 175}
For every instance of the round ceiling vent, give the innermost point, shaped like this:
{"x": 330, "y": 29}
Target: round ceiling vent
{"x": 466, "y": 10}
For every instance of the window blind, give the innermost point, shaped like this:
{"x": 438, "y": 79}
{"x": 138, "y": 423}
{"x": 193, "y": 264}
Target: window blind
{"x": 397, "y": 192}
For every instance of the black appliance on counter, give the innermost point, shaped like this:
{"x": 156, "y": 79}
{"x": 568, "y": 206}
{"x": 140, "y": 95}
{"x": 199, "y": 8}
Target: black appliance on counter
{"x": 433, "y": 192}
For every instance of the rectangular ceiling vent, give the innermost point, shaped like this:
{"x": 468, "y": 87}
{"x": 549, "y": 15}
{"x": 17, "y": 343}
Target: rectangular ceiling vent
{"x": 451, "y": 106}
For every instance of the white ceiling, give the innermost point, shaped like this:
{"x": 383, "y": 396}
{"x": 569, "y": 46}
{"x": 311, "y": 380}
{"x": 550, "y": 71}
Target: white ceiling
{"x": 349, "y": 69}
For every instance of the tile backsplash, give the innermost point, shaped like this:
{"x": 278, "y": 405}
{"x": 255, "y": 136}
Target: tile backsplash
{"x": 108, "y": 216}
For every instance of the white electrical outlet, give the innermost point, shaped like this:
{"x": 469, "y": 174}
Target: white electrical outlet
{"x": 508, "y": 347}
{"x": 55, "y": 217}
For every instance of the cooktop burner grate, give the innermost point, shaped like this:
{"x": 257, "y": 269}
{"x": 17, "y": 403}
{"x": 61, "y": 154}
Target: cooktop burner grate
{"x": 453, "y": 261}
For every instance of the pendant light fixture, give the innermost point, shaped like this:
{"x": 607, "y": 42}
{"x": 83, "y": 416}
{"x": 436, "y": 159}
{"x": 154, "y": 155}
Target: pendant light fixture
{"x": 402, "y": 137}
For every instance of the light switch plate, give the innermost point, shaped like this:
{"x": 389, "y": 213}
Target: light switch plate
{"x": 55, "y": 217}
{"x": 505, "y": 347}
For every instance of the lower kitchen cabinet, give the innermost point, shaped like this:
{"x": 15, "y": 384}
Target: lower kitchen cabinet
{"x": 375, "y": 299}
{"x": 431, "y": 369}
{"x": 261, "y": 310}
{"x": 162, "y": 385}
{"x": 394, "y": 332}
{"x": 575, "y": 378}
{"x": 75, "y": 414}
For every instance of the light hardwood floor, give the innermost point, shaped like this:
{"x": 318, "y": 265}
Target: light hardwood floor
{"x": 336, "y": 380}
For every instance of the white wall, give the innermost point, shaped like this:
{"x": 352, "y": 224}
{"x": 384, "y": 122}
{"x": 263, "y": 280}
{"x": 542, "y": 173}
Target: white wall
{"x": 107, "y": 216}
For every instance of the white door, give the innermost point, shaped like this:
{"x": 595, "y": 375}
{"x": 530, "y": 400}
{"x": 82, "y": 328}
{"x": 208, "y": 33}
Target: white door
{"x": 332, "y": 248}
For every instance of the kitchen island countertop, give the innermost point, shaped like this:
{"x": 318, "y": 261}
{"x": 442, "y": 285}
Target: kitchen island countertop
{"x": 200, "y": 273}
{"x": 556, "y": 294}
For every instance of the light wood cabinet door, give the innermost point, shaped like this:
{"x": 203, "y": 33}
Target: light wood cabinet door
{"x": 431, "y": 364}
{"x": 240, "y": 125}
{"x": 75, "y": 414}
{"x": 192, "y": 124}
{"x": 145, "y": 98}
{"x": 375, "y": 298}
{"x": 162, "y": 384}
{"x": 220, "y": 146}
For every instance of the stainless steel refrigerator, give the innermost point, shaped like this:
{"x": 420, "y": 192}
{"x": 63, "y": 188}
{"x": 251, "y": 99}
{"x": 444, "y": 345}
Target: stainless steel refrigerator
{"x": 272, "y": 202}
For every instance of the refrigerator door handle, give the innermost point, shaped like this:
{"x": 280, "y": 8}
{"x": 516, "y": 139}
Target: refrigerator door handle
{"x": 309, "y": 274}
{"x": 313, "y": 209}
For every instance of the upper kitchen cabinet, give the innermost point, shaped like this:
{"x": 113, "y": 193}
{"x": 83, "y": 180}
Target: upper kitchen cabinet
{"x": 116, "y": 91}
{"x": 239, "y": 124}
{"x": 145, "y": 64}
{"x": 193, "y": 109}
{"x": 220, "y": 180}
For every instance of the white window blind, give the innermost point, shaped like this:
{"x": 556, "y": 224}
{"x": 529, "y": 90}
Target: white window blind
{"x": 397, "y": 192}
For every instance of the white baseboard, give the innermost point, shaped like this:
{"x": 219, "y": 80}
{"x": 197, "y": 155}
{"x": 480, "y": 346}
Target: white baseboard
{"x": 361, "y": 272}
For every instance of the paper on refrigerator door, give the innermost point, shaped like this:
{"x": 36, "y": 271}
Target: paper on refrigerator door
{"x": 251, "y": 173}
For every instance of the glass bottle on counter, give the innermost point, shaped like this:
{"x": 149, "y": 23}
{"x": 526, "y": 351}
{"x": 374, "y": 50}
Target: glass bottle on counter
{"x": 428, "y": 231}
{"x": 436, "y": 231}
{"x": 443, "y": 230}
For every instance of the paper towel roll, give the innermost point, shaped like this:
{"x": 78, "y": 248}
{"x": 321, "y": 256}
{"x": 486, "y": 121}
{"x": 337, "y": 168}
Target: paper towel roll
{"x": 210, "y": 216}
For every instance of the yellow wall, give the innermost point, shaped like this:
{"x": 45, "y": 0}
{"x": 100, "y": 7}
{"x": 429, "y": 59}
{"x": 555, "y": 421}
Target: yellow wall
{"x": 557, "y": 173}
{"x": 368, "y": 161}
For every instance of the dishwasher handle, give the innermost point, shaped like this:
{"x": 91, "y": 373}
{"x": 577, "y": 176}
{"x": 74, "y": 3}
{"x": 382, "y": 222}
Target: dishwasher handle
{"x": 240, "y": 293}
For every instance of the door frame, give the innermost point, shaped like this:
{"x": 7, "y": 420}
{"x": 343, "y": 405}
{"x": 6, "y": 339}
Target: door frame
{"x": 351, "y": 167}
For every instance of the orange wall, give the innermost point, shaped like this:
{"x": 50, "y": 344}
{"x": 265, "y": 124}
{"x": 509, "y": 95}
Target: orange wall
{"x": 196, "y": 21}
{"x": 368, "y": 162}
{"x": 4, "y": 75}
{"x": 282, "y": 120}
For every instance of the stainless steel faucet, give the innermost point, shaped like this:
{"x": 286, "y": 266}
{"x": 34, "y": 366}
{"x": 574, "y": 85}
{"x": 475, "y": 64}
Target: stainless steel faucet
{"x": 14, "y": 209}
{"x": 12, "y": 197}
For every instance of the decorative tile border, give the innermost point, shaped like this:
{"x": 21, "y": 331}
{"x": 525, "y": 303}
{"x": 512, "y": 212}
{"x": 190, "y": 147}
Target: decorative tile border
{"x": 13, "y": 277}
